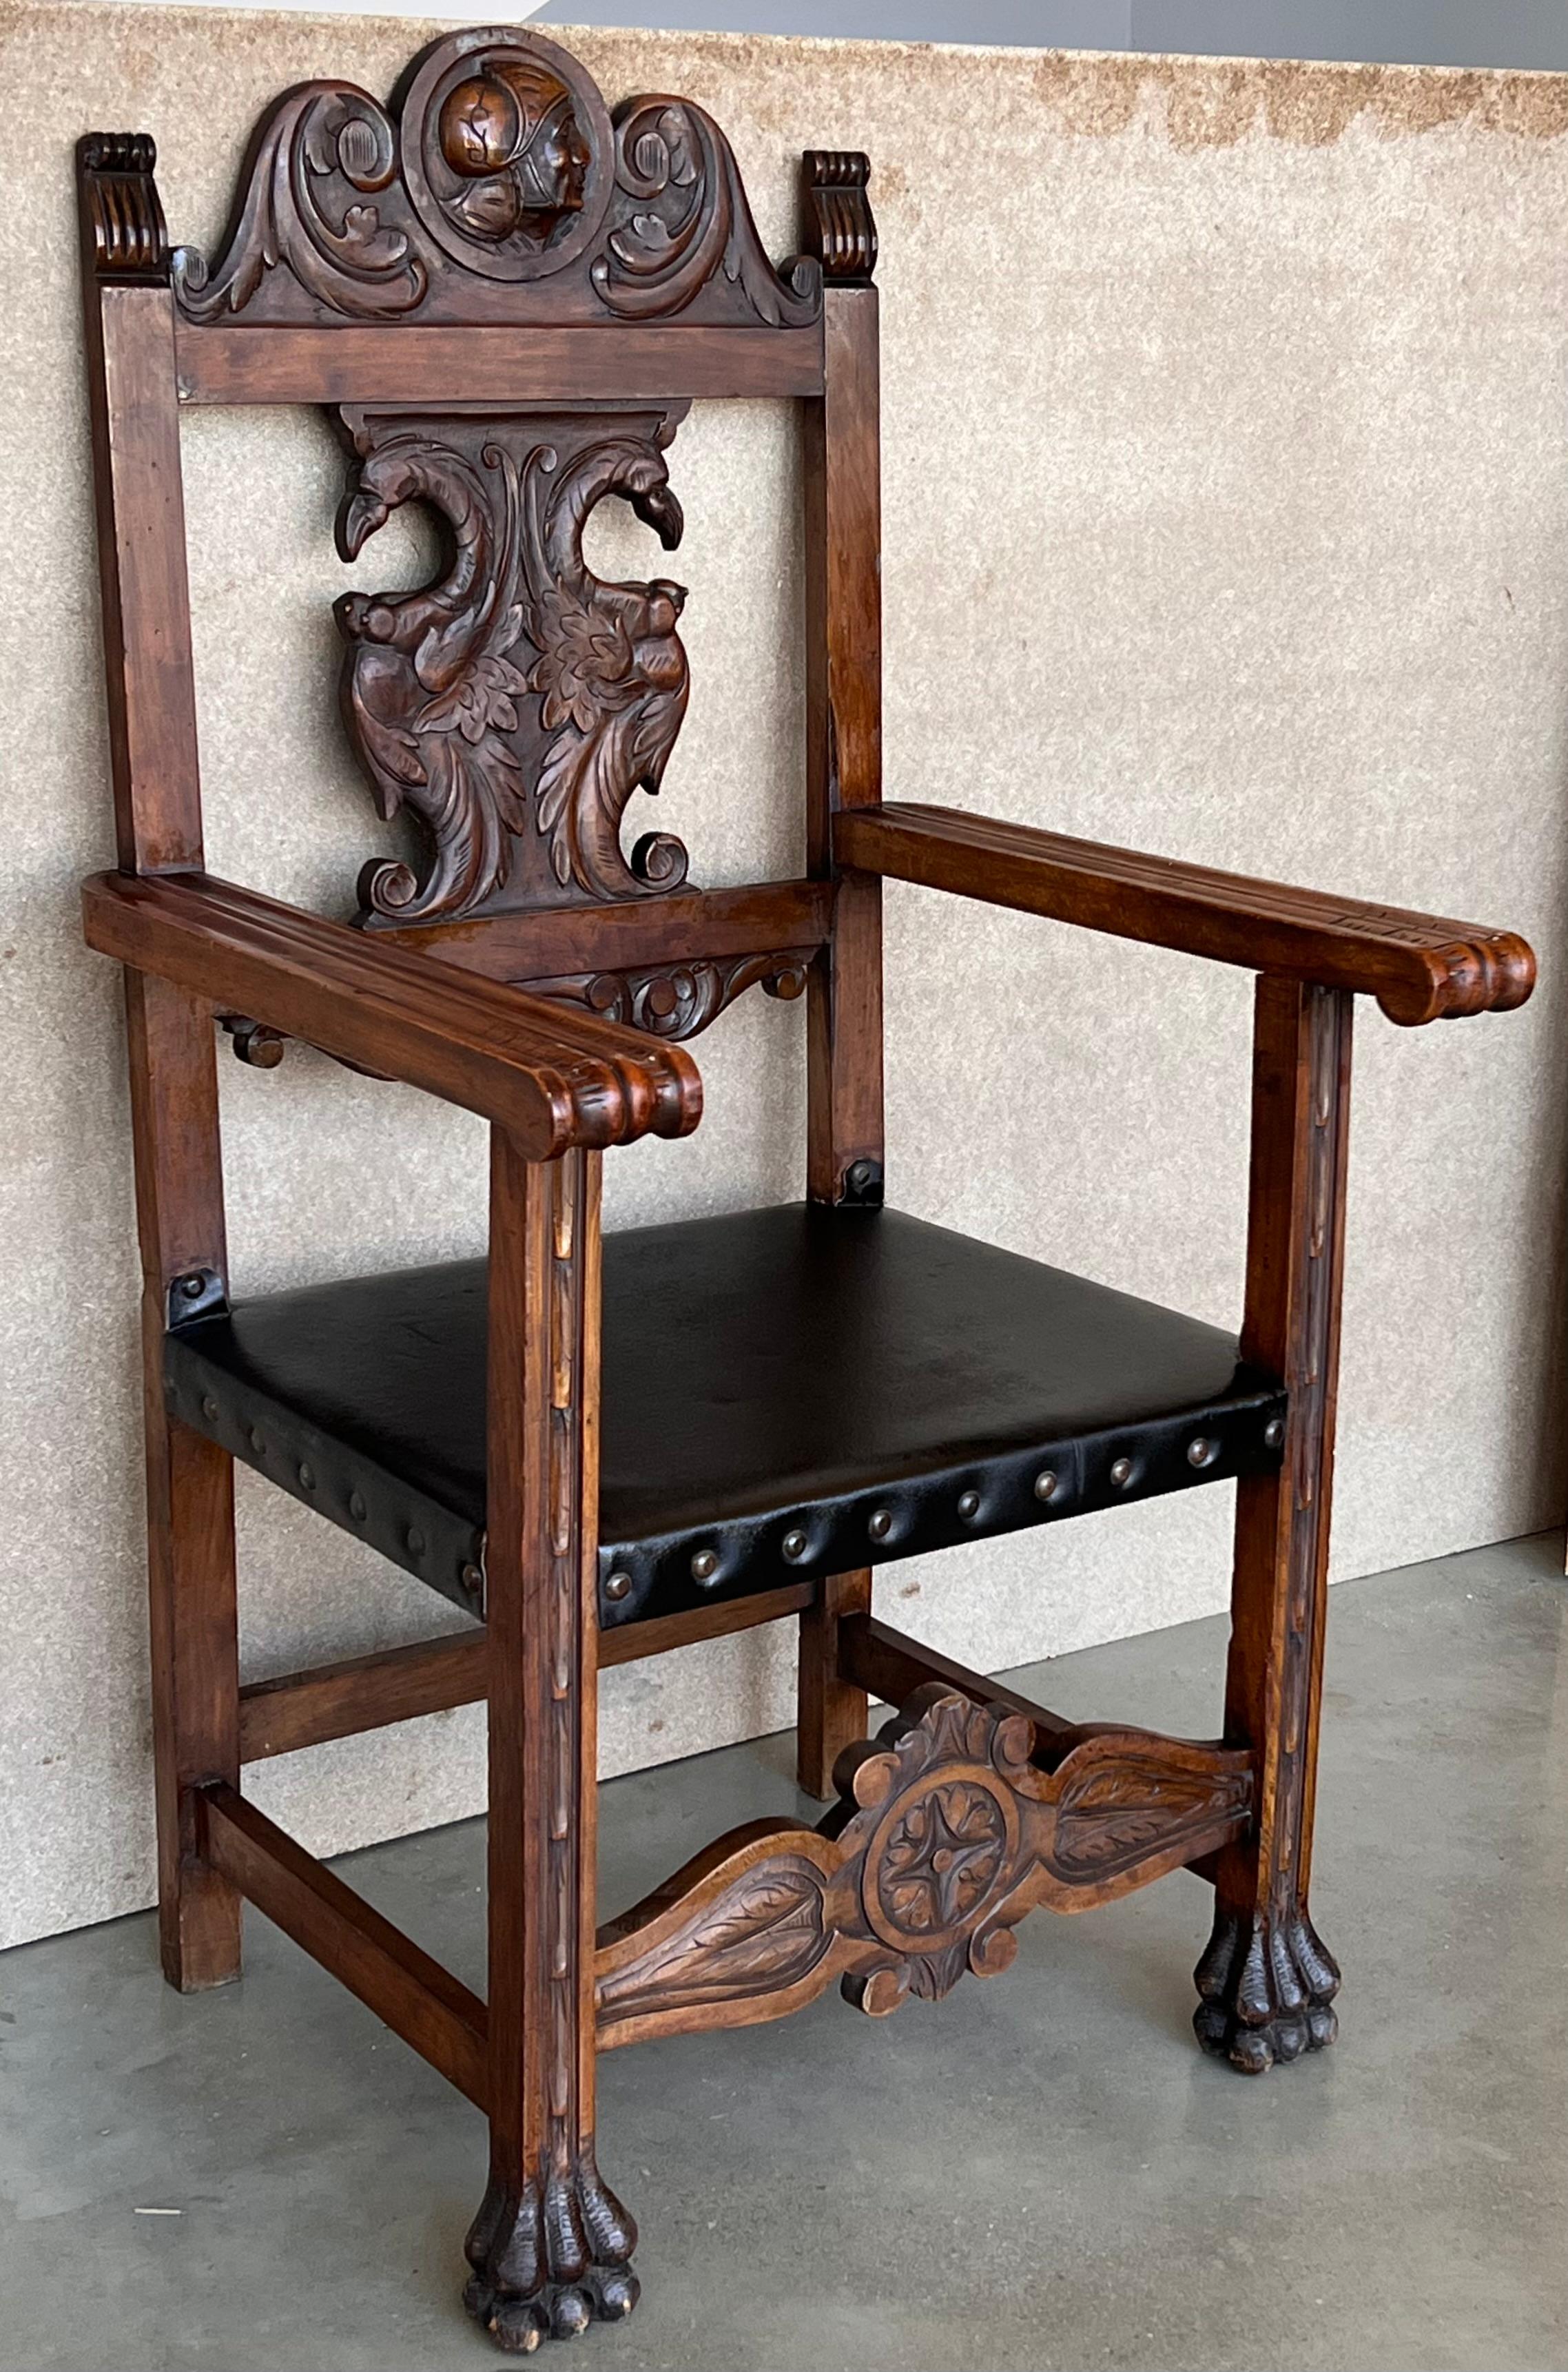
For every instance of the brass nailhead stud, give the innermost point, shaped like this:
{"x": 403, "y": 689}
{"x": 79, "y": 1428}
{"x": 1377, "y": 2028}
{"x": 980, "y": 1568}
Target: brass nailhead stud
{"x": 1273, "y": 1432}
{"x": 356, "y": 1506}
{"x": 618, "y": 1586}
{"x": 795, "y": 1546}
{"x": 1121, "y": 1473}
{"x": 968, "y": 1505}
{"x": 307, "y": 1478}
{"x": 209, "y": 1407}
{"x": 704, "y": 1565}
{"x": 1045, "y": 1485}
{"x": 879, "y": 1523}
{"x": 1200, "y": 1451}
{"x": 415, "y": 1541}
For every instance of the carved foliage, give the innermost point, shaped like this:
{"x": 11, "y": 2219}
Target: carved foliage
{"x": 120, "y": 213}
{"x": 677, "y": 1000}
{"x": 500, "y": 168}
{"x": 514, "y": 706}
{"x": 947, "y": 1835}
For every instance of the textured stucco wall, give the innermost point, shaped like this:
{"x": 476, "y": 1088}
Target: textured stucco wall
{"x": 1227, "y": 515}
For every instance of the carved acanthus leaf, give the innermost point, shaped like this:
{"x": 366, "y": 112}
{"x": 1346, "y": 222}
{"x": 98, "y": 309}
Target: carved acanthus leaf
{"x": 948, "y": 1835}
{"x": 514, "y": 706}
{"x": 499, "y": 171}
{"x": 681, "y": 216}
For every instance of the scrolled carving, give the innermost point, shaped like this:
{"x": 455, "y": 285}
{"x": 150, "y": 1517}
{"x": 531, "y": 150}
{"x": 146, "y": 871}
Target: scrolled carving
{"x": 121, "y": 210}
{"x": 677, "y": 1000}
{"x": 840, "y": 229}
{"x": 681, "y": 216}
{"x": 515, "y": 705}
{"x": 947, "y": 1835}
{"x": 496, "y": 189}
{"x": 323, "y": 199}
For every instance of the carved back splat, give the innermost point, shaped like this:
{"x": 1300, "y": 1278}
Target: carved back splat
{"x": 515, "y": 704}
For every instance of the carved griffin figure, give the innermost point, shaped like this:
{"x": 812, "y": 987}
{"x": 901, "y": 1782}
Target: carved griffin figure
{"x": 441, "y": 685}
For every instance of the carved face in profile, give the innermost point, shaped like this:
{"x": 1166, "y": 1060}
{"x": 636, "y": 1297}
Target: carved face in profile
{"x": 510, "y": 131}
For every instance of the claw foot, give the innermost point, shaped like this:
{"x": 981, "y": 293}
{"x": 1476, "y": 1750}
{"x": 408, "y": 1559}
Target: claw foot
{"x": 551, "y": 2261}
{"x": 1266, "y": 1983}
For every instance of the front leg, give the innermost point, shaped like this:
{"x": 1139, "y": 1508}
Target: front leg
{"x": 551, "y": 2246}
{"x": 1266, "y": 1981}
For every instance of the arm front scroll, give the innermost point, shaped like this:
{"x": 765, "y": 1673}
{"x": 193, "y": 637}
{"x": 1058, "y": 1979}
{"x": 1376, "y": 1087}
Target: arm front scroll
{"x": 1419, "y": 967}
{"x": 551, "y": 1077}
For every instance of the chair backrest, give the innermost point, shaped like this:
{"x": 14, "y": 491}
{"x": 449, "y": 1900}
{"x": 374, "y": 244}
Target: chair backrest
{"x": 508, "y": 299}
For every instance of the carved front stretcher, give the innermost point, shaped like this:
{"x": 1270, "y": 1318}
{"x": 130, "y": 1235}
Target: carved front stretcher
{"x": 508, "y": 300}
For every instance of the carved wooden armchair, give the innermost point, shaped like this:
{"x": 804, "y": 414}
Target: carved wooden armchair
{"x": 508, "y": 300}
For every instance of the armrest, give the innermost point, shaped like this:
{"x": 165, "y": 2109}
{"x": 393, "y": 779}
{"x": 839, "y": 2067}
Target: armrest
{"x": 1419, "y": 967}
{"x": 550, "y": 1075}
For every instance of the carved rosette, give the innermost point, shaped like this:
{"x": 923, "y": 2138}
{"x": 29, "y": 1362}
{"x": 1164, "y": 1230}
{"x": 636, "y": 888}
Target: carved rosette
{"x": 512, "y": 706}
{"x": 949, "y": 1833}
{"x": 499, "y": 168}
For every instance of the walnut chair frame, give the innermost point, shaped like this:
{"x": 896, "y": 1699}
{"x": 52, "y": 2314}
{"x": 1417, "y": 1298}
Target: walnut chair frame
{"x": 580, "y": 279}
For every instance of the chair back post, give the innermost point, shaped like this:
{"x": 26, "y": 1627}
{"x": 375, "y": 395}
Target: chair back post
{"x": 843, "y": 593}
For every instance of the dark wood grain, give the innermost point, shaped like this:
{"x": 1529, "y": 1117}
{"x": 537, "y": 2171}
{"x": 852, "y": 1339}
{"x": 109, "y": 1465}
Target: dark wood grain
{"x": 1266, "y": 1980}
{"x": 831, "y": 1698}
{"x": 339, "y": 1700}
{"x": 409, "y": 1992}
{"x": 1419, "y": 967}
{"x": 845, "y": 1153}
{"x": 886, "y": 1664}
{"x": 763, "y": 917}
{"x": 553, "y": 1076}
{"x": 551, "y": 2246}
{"x": 619, "y": 364}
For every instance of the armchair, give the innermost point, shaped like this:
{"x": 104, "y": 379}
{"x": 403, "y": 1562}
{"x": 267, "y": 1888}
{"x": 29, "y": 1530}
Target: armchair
{"x": 598, "y": 1450}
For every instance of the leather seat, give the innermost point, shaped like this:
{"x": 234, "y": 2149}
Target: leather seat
{"x": 786, "y": 1392}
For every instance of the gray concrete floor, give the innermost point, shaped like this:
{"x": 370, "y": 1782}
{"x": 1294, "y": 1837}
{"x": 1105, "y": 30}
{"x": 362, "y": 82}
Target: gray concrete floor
{"x": 1041, "y": 2172}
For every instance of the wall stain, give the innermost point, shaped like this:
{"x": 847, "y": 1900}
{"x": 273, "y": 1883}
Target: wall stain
{"x": 1215, "y": 102}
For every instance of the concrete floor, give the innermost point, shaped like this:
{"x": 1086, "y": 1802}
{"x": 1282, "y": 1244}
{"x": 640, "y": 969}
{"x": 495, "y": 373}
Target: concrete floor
{"x": 1041, "y": 2172}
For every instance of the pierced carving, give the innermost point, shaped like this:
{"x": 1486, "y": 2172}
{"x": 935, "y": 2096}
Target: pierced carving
{"x": 947, "y": 1835}
{"x": 677, "y": 1000}
{"x": 840, "y": 229}
{"x": 123, "y": 217}
{"x": 500, "y": 168}
{"x": 515, "y": 705}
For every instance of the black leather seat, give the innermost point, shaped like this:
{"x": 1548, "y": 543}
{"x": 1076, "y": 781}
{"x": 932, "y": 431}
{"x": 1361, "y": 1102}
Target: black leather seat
{"x": 787, "y": 1392}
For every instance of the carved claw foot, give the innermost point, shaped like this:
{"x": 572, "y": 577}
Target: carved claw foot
{"x": 548, "y": 2263}
{"x": 1266, "y": 1983}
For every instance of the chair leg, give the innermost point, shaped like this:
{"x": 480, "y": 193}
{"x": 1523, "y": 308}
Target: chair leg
{"x": 551, "y": 2246}
{"x": 195, "y": 1661}
{"x": 1266, "y": 1981}
{"x": 830, "y": 1712}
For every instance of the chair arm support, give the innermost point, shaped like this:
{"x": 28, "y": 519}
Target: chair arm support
{"x": 1419, "y": 967}
{"x": 553, "y": 1078}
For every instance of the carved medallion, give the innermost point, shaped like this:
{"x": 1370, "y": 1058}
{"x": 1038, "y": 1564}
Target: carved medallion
{"x": 515, "y": 705}
{"x": 496, "y": 189}
{"x": 949, "y": 1834}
